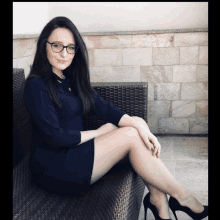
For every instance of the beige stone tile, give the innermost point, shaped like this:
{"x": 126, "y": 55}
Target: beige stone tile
{"x": 194, "y": 91}
{"x": 173, "y": 125}
{"x": 137, "y": 56}
{"x": 150, "y": 95}
{"x": 184, "y": 73}
{"x": 198, "y": 125}
{"x": 193, "y": 175}
{"x": 125, "y": 41}
{"x": 100, "y": 74}
{"x": 125, "y": 74}
{"x": 159, "y": 109}
{"x": 183, "y": 108}
{"x": 153, "y": 124}
{"x": 110, "y": 42}
{"x": 157, "y": 74}
{"x": 92, "y": 42}
{"x": 189, "y": 55}
{"x": 203, "y": 55}
{"x": 24, "y": 47}
{"x": 202, "y": 108}
{"x": 190, "y": 148}
{"x": 167, "y": 91}
{"x": 202, "y": 73}
{"x": 166, "y": 56}
{"x": 108, "y": 57}
{"x": 153, "y": 40}
{"x": 91, "y": 57}
{"x": 191, "y": 39}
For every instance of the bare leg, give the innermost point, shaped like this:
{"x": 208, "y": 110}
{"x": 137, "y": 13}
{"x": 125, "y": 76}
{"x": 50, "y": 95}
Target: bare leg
{"x": 115, "y": 145}
{"x": 159, "y": 199}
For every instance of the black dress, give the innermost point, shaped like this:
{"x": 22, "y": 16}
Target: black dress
{"x": 56, "y": 163}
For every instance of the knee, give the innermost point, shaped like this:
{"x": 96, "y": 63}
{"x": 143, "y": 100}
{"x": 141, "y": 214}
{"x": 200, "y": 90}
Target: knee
{"x": 131, "y": 134}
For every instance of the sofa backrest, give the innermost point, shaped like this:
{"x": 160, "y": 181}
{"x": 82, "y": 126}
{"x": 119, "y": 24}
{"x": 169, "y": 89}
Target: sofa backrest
{"x": 22, "y": 129}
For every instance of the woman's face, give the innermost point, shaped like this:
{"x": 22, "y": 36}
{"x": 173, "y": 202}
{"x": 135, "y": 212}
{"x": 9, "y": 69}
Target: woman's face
{"x": 60, "y": 61}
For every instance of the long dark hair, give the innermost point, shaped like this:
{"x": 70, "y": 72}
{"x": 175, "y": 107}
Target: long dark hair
{"x": 77, "y": 73}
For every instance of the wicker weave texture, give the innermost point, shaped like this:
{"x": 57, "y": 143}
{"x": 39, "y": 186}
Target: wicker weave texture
{"x": 116, "y": 196}
{"x": 130, "y": 97}
{"x": 21, "y": 124}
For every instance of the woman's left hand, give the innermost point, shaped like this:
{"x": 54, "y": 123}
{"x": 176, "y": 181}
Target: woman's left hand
{"x": 149, "y": 139}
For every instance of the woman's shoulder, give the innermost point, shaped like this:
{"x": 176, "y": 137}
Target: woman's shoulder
{"x": 35, "y": 84}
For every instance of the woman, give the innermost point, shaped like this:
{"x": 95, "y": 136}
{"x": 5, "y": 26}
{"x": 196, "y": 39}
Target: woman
{"x": 67, "y": 159}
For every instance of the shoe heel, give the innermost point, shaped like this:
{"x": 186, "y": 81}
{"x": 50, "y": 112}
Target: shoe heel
{"x": 174, "y": 213}
{"x": 145, "y": 215}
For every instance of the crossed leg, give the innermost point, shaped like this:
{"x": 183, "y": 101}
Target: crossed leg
{"x": 111, "y": 147}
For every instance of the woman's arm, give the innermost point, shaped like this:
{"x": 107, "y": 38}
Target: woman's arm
{"x": 88, "y": 135}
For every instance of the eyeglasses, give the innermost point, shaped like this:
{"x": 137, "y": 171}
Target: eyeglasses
{"x": 57, "y": 48}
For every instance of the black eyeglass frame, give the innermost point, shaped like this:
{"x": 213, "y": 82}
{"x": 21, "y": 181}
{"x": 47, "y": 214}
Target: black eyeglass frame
{"x": 76, "y": 48}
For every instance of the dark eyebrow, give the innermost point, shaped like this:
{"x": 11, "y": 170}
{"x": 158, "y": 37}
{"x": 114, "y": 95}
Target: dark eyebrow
{"x": 62, "y": 43}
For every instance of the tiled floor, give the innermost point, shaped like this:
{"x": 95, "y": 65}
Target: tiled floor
{"x": 187, "y": 159}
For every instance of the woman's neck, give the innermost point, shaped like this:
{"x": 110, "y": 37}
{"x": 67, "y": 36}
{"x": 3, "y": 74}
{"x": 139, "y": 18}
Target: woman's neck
{"x": 59, "y": 73}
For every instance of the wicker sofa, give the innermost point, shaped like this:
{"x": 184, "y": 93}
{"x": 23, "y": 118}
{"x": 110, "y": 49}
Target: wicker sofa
{"x": 116, "y": 196}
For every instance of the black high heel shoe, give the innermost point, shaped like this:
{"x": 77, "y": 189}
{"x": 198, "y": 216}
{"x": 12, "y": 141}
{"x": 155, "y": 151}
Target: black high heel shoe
{"x": 175, "y": 205}
{"x": 148, "y": 204}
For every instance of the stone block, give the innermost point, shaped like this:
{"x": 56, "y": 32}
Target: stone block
{"x": 153, "y": 40}
{"x": 100, "y": 74}
{"x": 152, "y": 124}
{"x": 157, "y": 74}
{"x": 189, "y": 55}
{"x": 108, "y": 57}
{"x": 167, "y": 91}
{"x": 183, "y": 108}
{"x": 159, "y": 109}
{"x": 184, "y": 73}
{"x": 194, "y": 91}
{"x": 92, "y": 42}
{"x": 150, "y": 87}
{"x": 202, "y": 73}
{"x": 173, "y": 125}
{"x": 166, "y": 56}
{"x": 91, "y": 57}
{"x": 24, "y": 47}
{"x": 191, "y": 39}
{"x": 137, "y": 56}
{"x": 203, "y": 55}
{"x": 198, "y": 125}
{"x": 202, "y": 108}
{"x": 125, "y": 74}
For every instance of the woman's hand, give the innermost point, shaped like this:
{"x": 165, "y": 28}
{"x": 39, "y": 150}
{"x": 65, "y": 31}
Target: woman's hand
{"x": 149, "y": 139}
{"x": 106, "y": 128}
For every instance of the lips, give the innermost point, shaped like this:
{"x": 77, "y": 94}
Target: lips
{"x": 62, "y": 61}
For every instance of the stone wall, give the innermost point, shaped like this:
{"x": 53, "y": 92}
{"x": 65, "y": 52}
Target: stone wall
{"x": 175, "y": 65}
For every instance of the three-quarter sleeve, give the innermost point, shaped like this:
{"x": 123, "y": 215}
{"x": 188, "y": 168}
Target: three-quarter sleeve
{"x": 42, "y": 110}
{"x": 106, "y": 111}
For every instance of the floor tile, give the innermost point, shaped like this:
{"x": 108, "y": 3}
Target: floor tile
{"x": 195, "y": 148}
{"x": 192, "y": 174}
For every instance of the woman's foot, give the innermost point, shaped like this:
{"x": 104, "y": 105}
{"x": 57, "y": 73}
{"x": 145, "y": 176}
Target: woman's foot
{"x": 162, "y": 205}
{"x": 191, "y": 202}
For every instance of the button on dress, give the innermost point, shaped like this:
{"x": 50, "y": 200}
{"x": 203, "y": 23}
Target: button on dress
{"x": 57, "y": 162}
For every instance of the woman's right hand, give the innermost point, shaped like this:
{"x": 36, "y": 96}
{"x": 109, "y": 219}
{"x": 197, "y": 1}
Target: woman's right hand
{"x": 106, "y": 128}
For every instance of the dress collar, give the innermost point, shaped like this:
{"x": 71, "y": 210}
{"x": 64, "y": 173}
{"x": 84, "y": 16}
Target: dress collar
{"x": 60, "y": 80}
